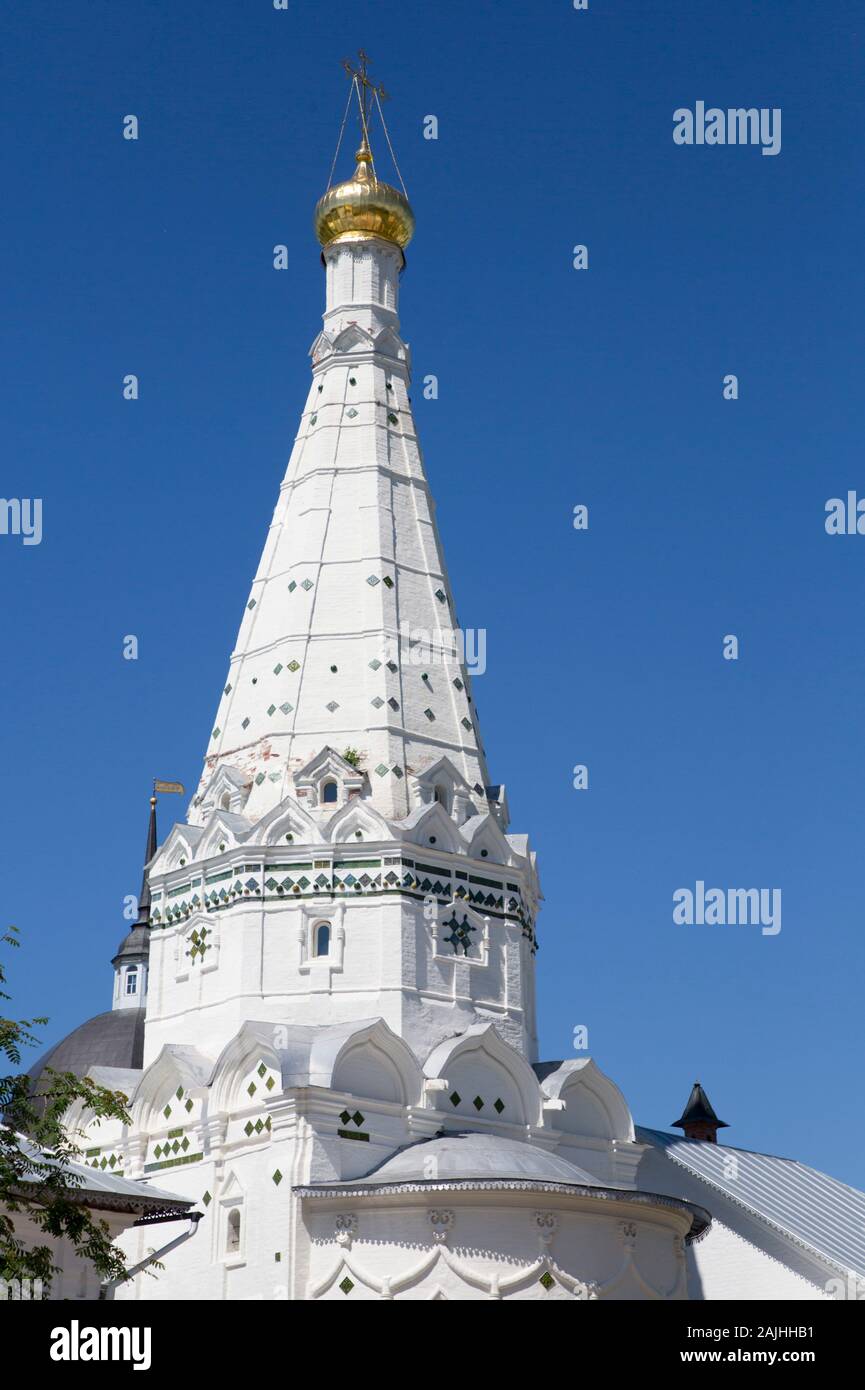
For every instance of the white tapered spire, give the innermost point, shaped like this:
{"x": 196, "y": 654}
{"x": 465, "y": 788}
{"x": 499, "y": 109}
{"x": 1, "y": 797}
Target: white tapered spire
{"x": 347, "y": 637}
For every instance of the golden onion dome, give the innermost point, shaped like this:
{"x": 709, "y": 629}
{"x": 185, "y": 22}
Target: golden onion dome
{"x": 362, "y": 207}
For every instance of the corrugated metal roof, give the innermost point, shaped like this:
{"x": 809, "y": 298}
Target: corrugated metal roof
{"x": 825, "y": 1216}
{"x": 131, "y": 1190}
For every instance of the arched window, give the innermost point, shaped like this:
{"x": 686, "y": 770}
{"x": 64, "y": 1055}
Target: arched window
{"x": 225, "y": 803}
{"x": 329, "y": 793}
{"x": 232, "y": 1241}
{"x": 132, "y": 981}
{"x": 321, "y": 939}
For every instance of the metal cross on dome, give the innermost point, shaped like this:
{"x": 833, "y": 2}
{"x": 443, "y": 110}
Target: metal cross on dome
{"x": 363, "y": 86}
{"x": 361, "y": 74}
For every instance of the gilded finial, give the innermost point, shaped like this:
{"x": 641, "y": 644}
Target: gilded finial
{"x": 363, "y": 206}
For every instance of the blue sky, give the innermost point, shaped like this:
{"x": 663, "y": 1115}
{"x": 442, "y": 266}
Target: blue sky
{"x": 557, "y": 387}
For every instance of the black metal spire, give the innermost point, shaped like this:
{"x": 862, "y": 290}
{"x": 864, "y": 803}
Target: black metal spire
{"x": 698, "y": 1119}
{"x": 149, "y": 851}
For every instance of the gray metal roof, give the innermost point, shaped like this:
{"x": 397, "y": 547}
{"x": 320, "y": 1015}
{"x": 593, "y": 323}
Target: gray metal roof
{"x": 116, "y": 1192}
{"x": 455, "y": 1157}
{"x": 113, "y": 1039}
{"x": 815, "y": 1211}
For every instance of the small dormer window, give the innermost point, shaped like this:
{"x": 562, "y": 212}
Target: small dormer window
{"x": 132, "y": 981}
{"x": 321, "y": 939}
{"x": 441, "y": 796}
{"x": 329, "y": 793}
{"x": 225, "y": 803}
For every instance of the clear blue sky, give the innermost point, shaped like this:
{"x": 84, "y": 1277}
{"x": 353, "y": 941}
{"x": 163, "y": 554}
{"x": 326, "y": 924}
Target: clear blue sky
{"x": 556, "y": 387}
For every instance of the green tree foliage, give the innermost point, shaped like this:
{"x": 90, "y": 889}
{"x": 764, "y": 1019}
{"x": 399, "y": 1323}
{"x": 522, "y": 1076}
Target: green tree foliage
{"x": 36, "y": 1179}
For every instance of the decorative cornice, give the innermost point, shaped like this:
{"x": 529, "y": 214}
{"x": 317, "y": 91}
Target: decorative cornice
{"x": 700, "y": 1218}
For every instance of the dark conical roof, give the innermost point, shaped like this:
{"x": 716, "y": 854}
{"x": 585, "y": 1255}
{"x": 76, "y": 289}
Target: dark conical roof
{"x": 699, "y": 1111}
{"x": 136, "y": 944}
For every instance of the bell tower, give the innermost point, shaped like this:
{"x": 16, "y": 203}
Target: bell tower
{"x": 346, "y": 855}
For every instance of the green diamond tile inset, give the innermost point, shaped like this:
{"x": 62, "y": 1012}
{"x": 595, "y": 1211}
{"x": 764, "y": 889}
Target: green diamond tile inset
{"x": 244, "y": 723}
{"x": 372, "y": 580}
{"x": 498, "y": 1105}
{"x": 374, "y": 664}
{"x": 277, "y": 668}
{"x": 277, "y": 1177}
{"x": 381, "y": 770}
{"x": 307, "y": 584}
{"x": 455, "y": 1098}
{"x": 292, "y": 586}
{"x": 547, "y": 1280}
{"x": 294, "y": 666}
{"x": 346, "y": 1285}
{"x": 478, "y": 1103}
{"x": 207, "y": 1199}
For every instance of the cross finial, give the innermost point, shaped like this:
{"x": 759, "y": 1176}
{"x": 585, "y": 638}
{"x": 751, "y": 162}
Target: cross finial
{"x": 365, "y": 89}
{"x": 361, "y": 74}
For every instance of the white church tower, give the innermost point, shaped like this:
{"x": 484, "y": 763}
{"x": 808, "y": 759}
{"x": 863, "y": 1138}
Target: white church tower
{"x": 339, "y": 1064}
{"x": 346, "y": 855}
